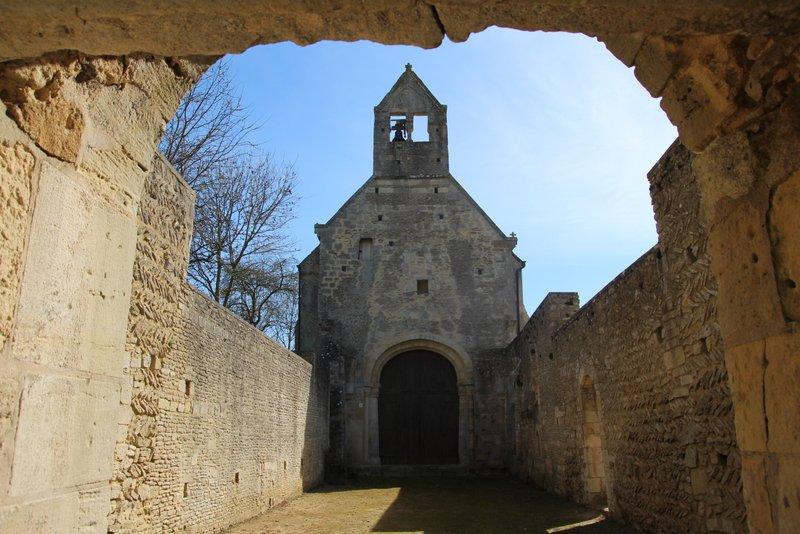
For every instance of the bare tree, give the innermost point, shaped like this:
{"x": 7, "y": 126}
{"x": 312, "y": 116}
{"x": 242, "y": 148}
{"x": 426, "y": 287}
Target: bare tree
{"x": 262, "y": 292}
{"x": 285, "y": 324}
{"x": 240, "y": 222}
{"x": 210, "y": 128}
{"x": 240, "y": 254}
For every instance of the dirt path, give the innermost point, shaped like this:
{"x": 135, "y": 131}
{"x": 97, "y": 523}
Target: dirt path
{"x": 431, "y": 505}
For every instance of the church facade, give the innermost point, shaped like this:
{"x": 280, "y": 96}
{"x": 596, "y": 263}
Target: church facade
{"x": 409, "y": 300}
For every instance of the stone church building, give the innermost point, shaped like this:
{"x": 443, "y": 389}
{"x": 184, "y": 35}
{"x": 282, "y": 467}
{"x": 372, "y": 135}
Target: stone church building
{"x": 410, "y": 298}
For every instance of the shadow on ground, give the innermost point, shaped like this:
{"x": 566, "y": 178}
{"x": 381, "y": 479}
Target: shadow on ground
{"x": 439, "y": 505}
{"x": 431, "y": 505}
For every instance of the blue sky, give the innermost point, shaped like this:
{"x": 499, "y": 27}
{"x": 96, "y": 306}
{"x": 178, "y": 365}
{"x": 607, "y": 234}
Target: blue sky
{"x": 549, "y": 133}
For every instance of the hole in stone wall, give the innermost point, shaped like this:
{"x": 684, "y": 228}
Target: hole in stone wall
{"x": 550, "y": 355}
{"x": 420, "y": 132}
{"x": 722, "y": 459}
{"x": 377, "y": 190}
{"x": 659, "y": 332}
{"x": 754, "y": 258}
{"x": 185, "y": 489}
{"x": 391, "y": 243}
{"x": 690, "y": 255}
{"x": 270, "y": 501}
{"x": 422, "y": 287}
{"x": 284, "y": 465}
{"x": 236, "y": 477}
{"x": 791, "y": 284}
{"x": 380, "y": 217}
{"x": 187, "y": 387}
{"x": 344, "y": 268}
{"x": 441, "y": 216}
{"x": 398, "y": 128}
{"x": 480, "y": 271}
{"x": 435, "y": 189}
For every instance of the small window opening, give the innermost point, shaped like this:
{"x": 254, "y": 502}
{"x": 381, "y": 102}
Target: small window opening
{"x": 420, "y": 132}
{"x": 365, "y": 249}
{"x": 284, "y": 465}
{"x": 377, "y": 190}
{"x": 270, "y": 501}
{"x": 422, "y": 287}
{"x": 441, "y": 216}
{"x": 187, "y": 387}
{"x": 391, "y": 243}
{"x": 659, "y": 334}
{"x": 398, "y": 131}
{"x": 438, "y": 160}
{"x": 550, "y": 355}
{"x": 344, "y": 268}
{"x": 480, "y": 271}
{"x": 380, "y": 217}
{"x": 185, "y": 489}
{"x": 236, "y": 477}
{"x": 435, "y": 189}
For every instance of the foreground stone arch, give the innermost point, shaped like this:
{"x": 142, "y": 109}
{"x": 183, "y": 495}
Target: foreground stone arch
{"x": 79, "y": 133}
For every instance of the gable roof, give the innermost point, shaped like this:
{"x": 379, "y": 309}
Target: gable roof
{"x": 457, "y": 185}
{"x": 407, "y": 80}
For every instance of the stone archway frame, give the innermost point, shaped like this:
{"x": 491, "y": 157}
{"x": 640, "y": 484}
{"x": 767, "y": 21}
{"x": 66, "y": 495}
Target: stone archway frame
{"x": 587, "y": 378}
{"x": 720, "y": 69}
{"x": 462, "y": 364}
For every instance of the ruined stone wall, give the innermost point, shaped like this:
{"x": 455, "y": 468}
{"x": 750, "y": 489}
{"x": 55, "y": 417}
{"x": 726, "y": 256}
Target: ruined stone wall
{"x": 224, "y": 423}
{"x": 649, "y": 343}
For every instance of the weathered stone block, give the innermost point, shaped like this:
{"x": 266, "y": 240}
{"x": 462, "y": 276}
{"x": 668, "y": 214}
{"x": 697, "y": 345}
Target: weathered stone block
{"x": 82, "y": 324}
{"x": 725, "y": 168}
{"x": 80, "y": 449}
{"x": 784, "y": 233}
{"x": 70, "y": 512}
{"x": 745, "y": 365}
{"x": 748, "y": 304}
{"x": 16, "y": 183}
{"x": 781, "y": 383}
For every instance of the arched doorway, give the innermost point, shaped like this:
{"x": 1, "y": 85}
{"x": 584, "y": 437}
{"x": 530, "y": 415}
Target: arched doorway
{"x": 593, "y": 445}
{"x": 418, "y": 410}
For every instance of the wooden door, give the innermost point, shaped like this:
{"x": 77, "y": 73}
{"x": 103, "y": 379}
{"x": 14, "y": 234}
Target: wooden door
{"x": 418, "y": 410}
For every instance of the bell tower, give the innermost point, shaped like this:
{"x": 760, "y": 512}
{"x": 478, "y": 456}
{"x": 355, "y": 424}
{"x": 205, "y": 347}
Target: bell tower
{"x": 410, "y": 132}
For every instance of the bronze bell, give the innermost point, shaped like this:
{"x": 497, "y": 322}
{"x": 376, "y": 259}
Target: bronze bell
{"x": 399, "y": 129}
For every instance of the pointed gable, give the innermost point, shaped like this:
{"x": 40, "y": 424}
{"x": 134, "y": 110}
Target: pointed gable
{"x": 409, "y": 94}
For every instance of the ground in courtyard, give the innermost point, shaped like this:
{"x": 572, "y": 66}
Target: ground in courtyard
{"x": 431, "y": 505}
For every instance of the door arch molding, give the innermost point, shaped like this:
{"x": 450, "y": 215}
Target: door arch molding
{"x": 464, "y": 381}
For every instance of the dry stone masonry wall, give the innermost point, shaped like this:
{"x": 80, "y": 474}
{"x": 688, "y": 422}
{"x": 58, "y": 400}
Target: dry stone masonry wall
{"x": 78, "y": 136}
{"x": 224, "y": 423}
{"x": 649, "y": 345}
